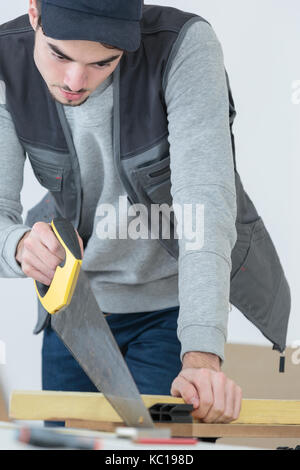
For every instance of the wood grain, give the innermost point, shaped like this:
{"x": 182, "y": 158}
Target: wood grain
{"x": 201, "y": 429}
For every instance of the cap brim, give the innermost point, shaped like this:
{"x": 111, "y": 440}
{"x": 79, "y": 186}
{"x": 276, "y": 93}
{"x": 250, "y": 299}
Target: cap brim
{"x": 65, "y": 24}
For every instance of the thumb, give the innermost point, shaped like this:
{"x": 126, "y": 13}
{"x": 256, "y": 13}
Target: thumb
{"x": 194, "y": 401}
{"x": 182, "y": 388}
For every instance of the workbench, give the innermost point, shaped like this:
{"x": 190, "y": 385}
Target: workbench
{"x": 110, "y": 441}
{"x": 92, "y": 411}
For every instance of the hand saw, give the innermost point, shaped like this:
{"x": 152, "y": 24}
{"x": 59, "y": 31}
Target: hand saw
{"x": 80, "y": 323}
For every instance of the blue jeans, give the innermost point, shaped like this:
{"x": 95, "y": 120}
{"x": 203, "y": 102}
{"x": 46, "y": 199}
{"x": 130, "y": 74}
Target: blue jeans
{"x": 147, "y": 340}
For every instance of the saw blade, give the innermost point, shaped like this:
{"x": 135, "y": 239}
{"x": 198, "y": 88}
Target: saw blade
{"x": 86, "y": 333}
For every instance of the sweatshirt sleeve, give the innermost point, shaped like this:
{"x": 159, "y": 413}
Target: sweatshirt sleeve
{"x": 202, "y": 173}
{"x": 12, "y": 160}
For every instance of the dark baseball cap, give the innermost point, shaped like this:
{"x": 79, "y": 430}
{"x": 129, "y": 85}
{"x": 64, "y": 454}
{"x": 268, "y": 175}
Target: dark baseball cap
{"x": 114, "y": 22}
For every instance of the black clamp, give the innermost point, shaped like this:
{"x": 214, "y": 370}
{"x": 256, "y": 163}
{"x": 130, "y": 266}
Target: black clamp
{"x": 171, "y": 413}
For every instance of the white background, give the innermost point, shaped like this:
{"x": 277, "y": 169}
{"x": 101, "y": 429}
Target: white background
{"x": 261, "y": 44}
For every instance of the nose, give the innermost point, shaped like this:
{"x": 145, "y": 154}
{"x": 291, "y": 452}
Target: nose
{"x": 75, "y": 77}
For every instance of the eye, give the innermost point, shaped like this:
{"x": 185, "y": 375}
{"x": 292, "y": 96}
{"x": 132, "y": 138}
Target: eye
{"x": 99, "y": 66}
{"x": 58, "y": 57}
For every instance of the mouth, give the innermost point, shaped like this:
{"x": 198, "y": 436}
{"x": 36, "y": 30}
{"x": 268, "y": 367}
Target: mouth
{"x": 71, "y": 96}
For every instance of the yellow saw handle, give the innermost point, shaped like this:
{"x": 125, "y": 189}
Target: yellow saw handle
{"x": 59, "y": 294}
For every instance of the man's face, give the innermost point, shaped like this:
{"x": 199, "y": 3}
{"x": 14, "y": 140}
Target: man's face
{"x": 72, "y": 70}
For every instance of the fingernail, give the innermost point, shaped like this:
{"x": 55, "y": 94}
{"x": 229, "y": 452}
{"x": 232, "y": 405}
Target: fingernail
{"x": 194, "y": 401}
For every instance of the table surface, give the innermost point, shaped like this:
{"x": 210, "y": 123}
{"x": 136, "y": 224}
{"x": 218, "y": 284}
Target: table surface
{"x": 110, "y": 441}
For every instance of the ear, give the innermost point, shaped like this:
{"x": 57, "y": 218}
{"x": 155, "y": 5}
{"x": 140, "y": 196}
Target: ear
{"x": 33, "y": 14}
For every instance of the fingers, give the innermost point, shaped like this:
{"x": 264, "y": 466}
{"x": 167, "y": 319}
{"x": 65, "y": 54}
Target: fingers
{"x": 183, "y": 388}
{"x": 233, "y": 402}
{"x": 40, "y": 253}
{"x": 238, "y": 402}
{"x": 36, "y": 269}
{"x": 217, "y": 410}
{"x": 227, "y": 400}
{"x": 43, "y": 235}
{"x": 219, "y": 397}
{"x": 37, "y": 275}
{"x": 202, "y": 384}
{"x": 49, "y": 251}
{"x": 230, "y": 400}
{"x": 224, "y": 400}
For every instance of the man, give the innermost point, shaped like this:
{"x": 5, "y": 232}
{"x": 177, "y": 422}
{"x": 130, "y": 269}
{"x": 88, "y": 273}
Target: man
{"x": 79, "y": 46}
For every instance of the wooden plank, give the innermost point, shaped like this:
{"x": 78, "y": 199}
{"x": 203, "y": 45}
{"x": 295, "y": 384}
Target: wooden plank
{"x": 61, "y": 406}
{"x": 202, "y": 429}
{"x": 104, "y": 426}
{"x": 270, "y": 412}
{"x": 234, "y": 430}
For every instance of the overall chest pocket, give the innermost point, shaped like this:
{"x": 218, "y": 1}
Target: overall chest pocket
{"x": 155, "y": 181}
{"x": 49, "y": 176}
